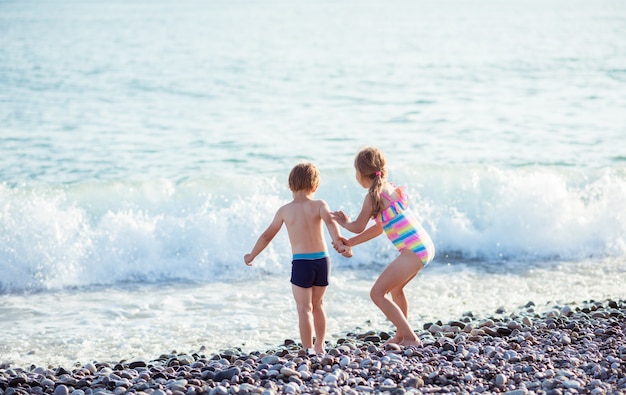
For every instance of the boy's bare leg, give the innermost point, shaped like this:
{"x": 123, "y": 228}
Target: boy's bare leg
{"x": 303, "y": 298}
{"x": 319, "y": 318}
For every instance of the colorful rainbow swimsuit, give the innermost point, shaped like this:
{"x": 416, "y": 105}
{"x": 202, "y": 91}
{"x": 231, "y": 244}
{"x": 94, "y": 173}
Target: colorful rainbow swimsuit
{"x": 403, "y": 228}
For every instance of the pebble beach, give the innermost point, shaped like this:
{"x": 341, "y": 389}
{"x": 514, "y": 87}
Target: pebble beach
{"x": 568, "y": 349}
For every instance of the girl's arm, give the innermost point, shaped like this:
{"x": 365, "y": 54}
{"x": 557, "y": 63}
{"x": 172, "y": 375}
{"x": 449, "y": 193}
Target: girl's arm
{"x": 359, "y": 224}
{"x": 366, "y": 235}
{"x": 265, "y": 238}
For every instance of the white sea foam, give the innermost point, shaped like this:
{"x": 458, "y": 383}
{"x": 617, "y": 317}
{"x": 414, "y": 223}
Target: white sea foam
{"x": 115, "y": 233}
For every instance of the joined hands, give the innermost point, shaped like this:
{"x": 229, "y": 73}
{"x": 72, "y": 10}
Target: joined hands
{"x": 342, "y": 247}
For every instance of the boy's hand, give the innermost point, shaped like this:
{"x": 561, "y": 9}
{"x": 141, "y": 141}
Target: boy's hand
{"x": 346, "y": 251}
{"x": 340, "y": 242}
{"x": 248, "y": 259}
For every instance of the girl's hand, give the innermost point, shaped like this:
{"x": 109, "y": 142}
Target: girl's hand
{"x": 340, "y": 217}
{"x": 346, "y": 251}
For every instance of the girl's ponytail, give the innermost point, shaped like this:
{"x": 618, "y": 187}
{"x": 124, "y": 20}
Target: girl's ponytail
{"x": 370, "y": 163}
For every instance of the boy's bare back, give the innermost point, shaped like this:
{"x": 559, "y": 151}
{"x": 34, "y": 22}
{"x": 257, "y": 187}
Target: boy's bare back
{"x": 303, "y": 219}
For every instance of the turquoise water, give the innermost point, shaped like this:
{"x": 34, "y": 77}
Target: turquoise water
{"x": 145, "y": 145}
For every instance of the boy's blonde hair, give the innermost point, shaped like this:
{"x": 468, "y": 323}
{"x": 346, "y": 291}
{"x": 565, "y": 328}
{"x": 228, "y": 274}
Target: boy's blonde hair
{"x": 370, "y": 162}
{"x": 304, "y": 177}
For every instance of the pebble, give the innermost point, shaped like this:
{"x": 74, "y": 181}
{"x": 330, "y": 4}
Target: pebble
{"x": 434, "y": 329}
{"x": 289, "y": 372}
{"x": 61, "y": 390}
{"x": 575, "y": 348}
{"x": 517, "y": 392}
{"x": 227, "y": 374}
{"x": 270, "y": 359}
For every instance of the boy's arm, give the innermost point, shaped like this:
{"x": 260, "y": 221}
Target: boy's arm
{"x": 331, "y": 224}
{"x": 265, "y": 238}
{"x": 335, "y": 233}
{"x": 366, "y": 235}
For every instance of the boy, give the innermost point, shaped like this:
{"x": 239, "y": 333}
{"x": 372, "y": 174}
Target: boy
{"x": 303, "y": 217}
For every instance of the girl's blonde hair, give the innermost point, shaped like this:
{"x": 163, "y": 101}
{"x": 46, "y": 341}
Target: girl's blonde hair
{"x": 370, "y": 163}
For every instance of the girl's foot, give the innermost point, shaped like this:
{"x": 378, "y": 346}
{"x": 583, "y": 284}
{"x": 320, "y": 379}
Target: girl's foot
{"x": 394, "y": 340}
{"x": 411, "y": 343}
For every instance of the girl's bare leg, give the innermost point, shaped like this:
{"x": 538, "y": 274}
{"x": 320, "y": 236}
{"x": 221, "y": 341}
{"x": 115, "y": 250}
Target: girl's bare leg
{"x": 393, "y": 279}
{"x": 319, "y": 318}
{"x": 399, "y": 297}
{"x": 303, "y": 298}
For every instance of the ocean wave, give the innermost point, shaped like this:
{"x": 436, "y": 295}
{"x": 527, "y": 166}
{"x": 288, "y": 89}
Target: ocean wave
{"x": 54, "y": 237}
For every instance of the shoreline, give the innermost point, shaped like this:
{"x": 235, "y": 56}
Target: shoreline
{"x": 571, "y": 348}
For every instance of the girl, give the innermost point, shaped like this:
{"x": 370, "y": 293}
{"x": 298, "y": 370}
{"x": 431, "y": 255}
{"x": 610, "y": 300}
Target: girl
{"x": 388, "y": 206}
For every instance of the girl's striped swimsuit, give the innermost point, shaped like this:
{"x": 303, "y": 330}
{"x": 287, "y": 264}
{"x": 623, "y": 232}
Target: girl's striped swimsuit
{"x": 403, "y": 228}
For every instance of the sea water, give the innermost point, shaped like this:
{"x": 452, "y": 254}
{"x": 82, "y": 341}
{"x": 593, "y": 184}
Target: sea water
{"x": 145, "y": 145}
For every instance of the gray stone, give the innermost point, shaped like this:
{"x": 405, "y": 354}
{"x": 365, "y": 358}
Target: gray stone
{"x": 331, "y": 378}
{"x": 521, "y": 391}
{"x": 289, "y": 372}
{"x": 566, "y": 311}
{"x": 137, "y": 364}
{"x": 434, "y": 329}
{"x": 61, "y": 390}
{"x": 226, "y": 374}
{"x": 221, "y": 390}
{"x": 572, "y": 384}
{"x": 270, "y": 359}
